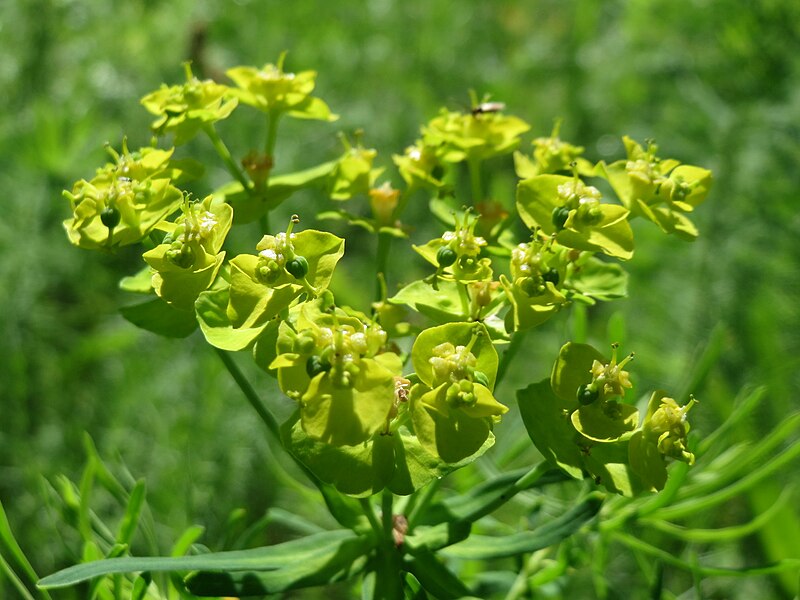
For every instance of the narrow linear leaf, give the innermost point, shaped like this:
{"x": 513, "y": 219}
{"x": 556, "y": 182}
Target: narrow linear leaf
{"x": 84, "y": 495}
{"x": 748, "y": 458}
{"x": 292, "y": 521}
{"x": 479, "y": 547}
{"x": 437, "y": 536}
{"x": 12, "y": 547}
{"x": 188, "y": 537}
{"x": 140, "y": 586}
{"x": 786, "y": 565}
{"x": 435, "y": 577}
{"x": 723, "y": 534}
{"x": 465, "y": 507}
{"x": 15, "y": 580}
{"x": 473, "y": 504}
{"x": 265, "y": 558}
{"x": 694, "y": 505}
{"x": 702, "y": 363}
{"x": 327, "y": 564}
{"x": 102, "y": 473}
{"x": 131, "y": 518}
{"x": 741, "y": 411}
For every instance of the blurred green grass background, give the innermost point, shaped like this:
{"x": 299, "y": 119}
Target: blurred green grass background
{"x": 714, "y": 83}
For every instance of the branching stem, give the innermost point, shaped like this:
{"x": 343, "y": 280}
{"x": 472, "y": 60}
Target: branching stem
{"x": 226, "y": 157}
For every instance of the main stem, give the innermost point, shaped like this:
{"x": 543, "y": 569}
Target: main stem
{"x": 381, "y": 258}
{"x": 269, "y": 152}
{"x": 474, "y": 166}
{"x": 389, "y": 582}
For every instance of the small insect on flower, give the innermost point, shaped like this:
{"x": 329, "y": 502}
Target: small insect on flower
{"x": 487, "y": 107}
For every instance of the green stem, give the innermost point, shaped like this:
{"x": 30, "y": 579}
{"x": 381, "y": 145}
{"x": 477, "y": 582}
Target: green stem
{"x": 250, "y": 394}
{"x": 508, "y": 356}
{"x": 422, "y": 502}
{"x": 521, "y": 484}
{"x": 389, "y": 582}
{"x": 389, "y": 574}
{"x": 381, "y": 258}
{"x": 267, "y": 417}
{"x": 226, "y": 157}
{"x": 463, "y": 294}
{"x": 403, "y": 201}
{"x": 263, "y": 412}
{"x": 369, "y": 512}
{"x": 269, "y": 151}
{"x": 599, "y": 579}
{"x": 387, "y": 502}
{"x": 263, "y": 222}
{"x": 474, "y": 166}
{"x": 520, "y": 587}
{"x": 272, "y": 135}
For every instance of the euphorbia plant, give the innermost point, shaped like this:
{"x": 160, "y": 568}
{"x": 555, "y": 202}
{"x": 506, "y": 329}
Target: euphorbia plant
{"x": 390, "y": 401}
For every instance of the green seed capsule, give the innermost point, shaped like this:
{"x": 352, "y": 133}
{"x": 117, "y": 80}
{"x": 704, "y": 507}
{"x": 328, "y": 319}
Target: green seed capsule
{"x": 182, "y": 256}
{"x": 481, "y": 378}
{"x": 446, "y": 256}
{"x": 297, "y": 267}
{"x": 551, "y": 276}
{"x": 560, "y": 216}
{"x": 315, "y": 366}
{"x": 304, "y": 343}
{"x": 110, "y": 217}
{"x": 531, "y": 286}
{"x": 587, "y": 395}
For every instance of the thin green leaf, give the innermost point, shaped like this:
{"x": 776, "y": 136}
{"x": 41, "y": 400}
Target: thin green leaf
{"x": 102, "y": 473}
{"x": 292, "y": 521}
{"x": 325, "y": 563}
{"x": 739, "y": 458}
{"x": 479, "y": 547}
{"x": 11, "y": 546}
{"x": 702, "y": 363}
{"x": 15, "y": 580}
{"x": 266, "y": 558}
{"x": 741, "y": 411}
{"x": 84, "y": 494}
{"x": 188, "y": 537}
{"x": 745, "y": 460}
{"x": 789, "y": 564}
{"x": 723, "y": 534}
{"x": 130, "y": 520}
{"x": 431, "y": 538}
{"x": 435, "y": 577}
{"x": 473, "y": 504}
{"x": 140, "y": 586}
{"x": 694, "y": 505}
